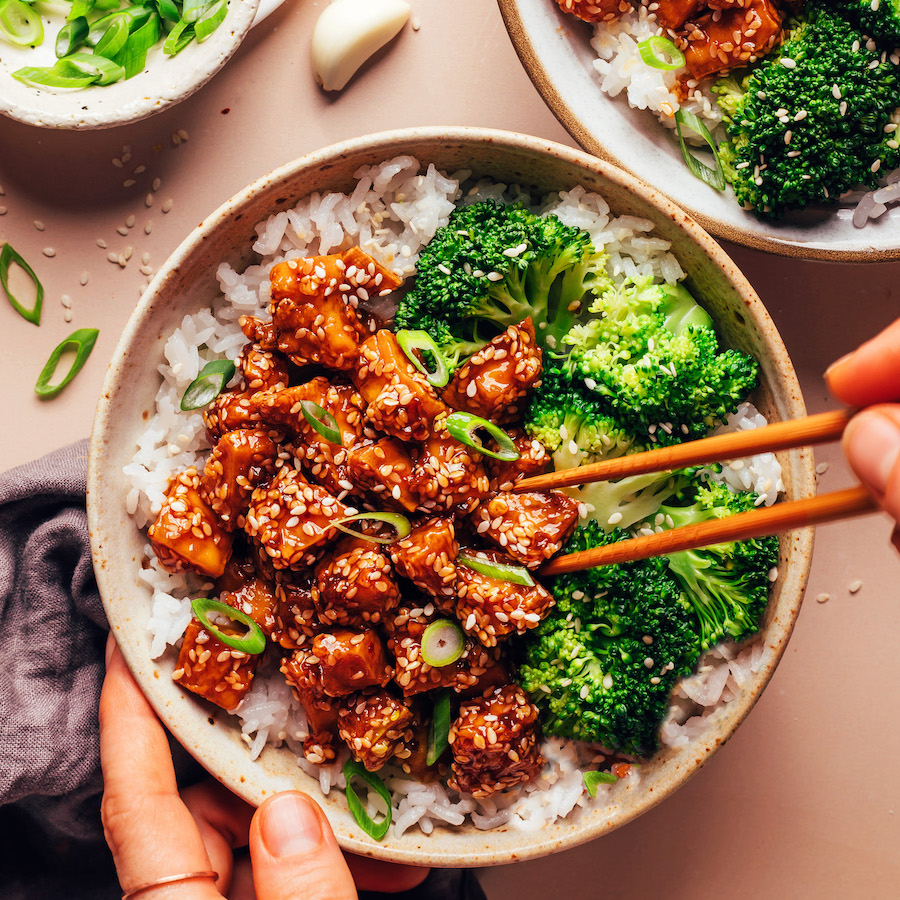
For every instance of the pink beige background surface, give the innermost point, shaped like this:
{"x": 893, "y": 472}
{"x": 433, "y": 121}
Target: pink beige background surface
{"x": 805, "y": 799}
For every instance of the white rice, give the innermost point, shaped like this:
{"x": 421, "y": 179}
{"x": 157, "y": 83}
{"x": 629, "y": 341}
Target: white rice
{"x": 394, "y": 210}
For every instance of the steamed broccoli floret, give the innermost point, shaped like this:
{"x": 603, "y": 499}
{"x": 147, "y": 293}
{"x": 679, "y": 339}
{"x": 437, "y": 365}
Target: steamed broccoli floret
{"x": 494, "y": 265}
{"x": 662, "y": 385}
{"x": 881, "y": 21}
{"x": 809, "y": 130}
{"x": 727, "y": 584}
{"x": 602, "y": 665}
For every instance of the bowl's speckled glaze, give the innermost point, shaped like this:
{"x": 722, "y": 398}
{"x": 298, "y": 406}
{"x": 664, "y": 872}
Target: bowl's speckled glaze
{"x": 555, "y": 50}
{"x": 187, "y": 282}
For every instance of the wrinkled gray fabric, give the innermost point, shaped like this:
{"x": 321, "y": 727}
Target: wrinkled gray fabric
{"x": 52, "y": 635}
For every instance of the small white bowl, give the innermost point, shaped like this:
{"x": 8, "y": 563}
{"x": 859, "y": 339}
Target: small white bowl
{"x": 164, "y": 81}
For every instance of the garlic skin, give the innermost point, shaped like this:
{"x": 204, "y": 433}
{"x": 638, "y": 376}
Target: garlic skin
{"x": 348, "y": 32}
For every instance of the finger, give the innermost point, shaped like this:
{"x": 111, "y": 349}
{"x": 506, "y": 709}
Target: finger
{"x": 389, "y": 878}
{"x": 295, "y": 853}
{"x": 872, "y": 445}
{"x": 870, "y": 374}
{"x": 895, "y": 537}
{"x": 150, "y": 831}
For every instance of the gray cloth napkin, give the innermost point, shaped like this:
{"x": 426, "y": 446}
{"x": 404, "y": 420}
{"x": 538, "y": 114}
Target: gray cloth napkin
{"x": 52, "y": 635}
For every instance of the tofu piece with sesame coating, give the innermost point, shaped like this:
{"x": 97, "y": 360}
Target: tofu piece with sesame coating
{"x": 672, "y": 14}
{"x": 533, "y": 460}
{"x": 595, "y": 10}
{"x": 303, "y": 673}
{"x": 405, "y": 627}
{"x": 383, "y": 469}
{"x": 376, "y": 727}
{"x": 212, "y": 669}
{"x": 260, "y": 332}
{"x": 292, "y": 519}
{"x": 530, "y": 526}
{"x": 363, "y": 271}
{"x": 262, "y": 370}
{"x": 495, "y": 382}
{"x": 256, "y": 598}
{"x": 187, "y": 536}
{"x": 448, "y": 474}
{"x": 426, "y": 557}
{"x": 494, "y": 742}
{"x": 490, "y": 608}
{"x": 354, "y": 584}
{"x": 351, "y": 660}
{"x": 399, "y": 399}
{"x": 240, "y": 461}
{"x": 229, "y": 412}
{"x": 296, "y": 619}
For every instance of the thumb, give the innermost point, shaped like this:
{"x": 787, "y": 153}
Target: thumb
{"x": 294, "y": 852}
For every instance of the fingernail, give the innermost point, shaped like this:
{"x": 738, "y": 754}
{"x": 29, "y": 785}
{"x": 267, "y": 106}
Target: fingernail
{"x": 837, "y": 364}
{"x": 110, "y": 648}
{"x": 290, "y": 825}
{"x": 873, "y": 448}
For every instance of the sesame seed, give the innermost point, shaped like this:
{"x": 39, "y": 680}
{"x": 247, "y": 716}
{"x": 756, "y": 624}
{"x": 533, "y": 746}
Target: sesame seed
{"x": 787, "y": 62}
{"x": 836, "y": 92}
{"x": 875, "y": 165}
{"x": 821, "y": 468}
{"x": 773, "y": 573}
{"x": 49, "y": 251}
{"x": 855, "y": 585}
{"x": 167, "y": 206}
{"x": 823, "y": 597}
{"x": 649, "y": 662}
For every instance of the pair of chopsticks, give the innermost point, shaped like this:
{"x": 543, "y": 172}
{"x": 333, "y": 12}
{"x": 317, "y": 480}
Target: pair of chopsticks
{"x": 817, "y": 429}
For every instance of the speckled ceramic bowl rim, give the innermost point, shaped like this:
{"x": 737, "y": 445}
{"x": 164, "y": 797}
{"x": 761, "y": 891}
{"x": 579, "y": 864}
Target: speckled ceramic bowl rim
{"x": 224, "y": 755}
{"x": 546, "y": 87}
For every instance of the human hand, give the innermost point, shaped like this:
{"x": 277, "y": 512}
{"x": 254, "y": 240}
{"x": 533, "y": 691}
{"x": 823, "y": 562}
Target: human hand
{"x": 154, "y": 832}
{"x": 870, "y": 377}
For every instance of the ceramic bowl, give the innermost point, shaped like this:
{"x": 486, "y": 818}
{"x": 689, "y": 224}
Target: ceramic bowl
{"x": 187, "y": 282}
{"x": 555, "y": 49}
{"x": 164, "y": 81}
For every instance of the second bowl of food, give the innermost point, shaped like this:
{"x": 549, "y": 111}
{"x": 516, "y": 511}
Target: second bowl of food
{"x": 303, "y": 510}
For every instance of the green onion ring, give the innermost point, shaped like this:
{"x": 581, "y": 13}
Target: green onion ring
{"x": 593, "y": 779}
{"x": 8, "y": 256}
{"x": 410, "y": 341}
{"x": 322, "y": 421}
{"x": 71, "y": 36}
{"x": 252, "y": 643}
{"x": 53, "y": 77}
{"x": 439, "y": 730}
{"x": 400, "y": 523}
{"x": 81, "y": 342}
{"x": 101, "y": 69}
{"x": 210, "y": 19}
{"x": 500, "y": 571}
{"x": 113, "y": 39}
{"x": 376, "y": 830}
{"x": 208, "y": 384}
{"x": 20, "y": 24}
{"x": 715, "y": 178}
{"x": 463, "y": 425}
{"x": 443, "y": 643}
{"x": 654, "y": 51}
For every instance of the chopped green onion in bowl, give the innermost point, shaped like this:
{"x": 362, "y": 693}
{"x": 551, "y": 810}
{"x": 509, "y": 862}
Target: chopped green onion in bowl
{"x": 443, "y": 643}
{"x": 659, "y": 52}
{"x": 438, "y": 373}
{"x": 500, "y": 571}
{"x": 398, "y": 522}
{"x": 439, "y": 729}
{"x": 321, "y": 421}
{"x": 211, "y": 381}
{"x": 252, "y": 642}
{"x": 593, "y": 779}
{"x": 20, "y": 24}
{"x": 465, "y": 427}
{"x": 375, "y": 830}
{"x": 714, "y": 177}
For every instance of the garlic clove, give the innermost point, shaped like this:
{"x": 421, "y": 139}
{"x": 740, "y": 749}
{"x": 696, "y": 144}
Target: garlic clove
{"x": 348, "y": 32}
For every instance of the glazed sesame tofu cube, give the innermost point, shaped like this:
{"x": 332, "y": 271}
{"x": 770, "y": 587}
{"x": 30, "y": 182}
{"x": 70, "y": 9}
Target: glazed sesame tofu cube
{"x": 296, "y": 620}
{"x": 240, "y": 461}
{"x": 426, "y": 557}
{"x": 229, "y": 412}
{"x": 416, "y": 764}
{"x": 256, "y": 598}
{"x": 490, "y": 608}
{"x": 351, "y": 660}
{"x": 530, "y": 526}
{"x": 412, "y": 674}
{"x": 262, "y": 370}
{"x": 533, "y": 460}
{"x": 314, "y": 316}
{"x": 187, "y": 536}
{"x": 362, "y": 271}
{"x": 447, "y": 473}
{"x": 495, "y": 743}
{"x": 212, "y": 669}
{"x": 399, "y": 399}
{"x": 596, "y": 10}
{"x": 376, "y": 727}
{"x": 494, "y": 382}
{"x": 259, "y": 332}
{"x": 384, "y": 469}
{"x": 303, "y": 673}
{"x": 291, "y": 519}
{"x": 672, "y": 14}
{"x": 354, "y": 584}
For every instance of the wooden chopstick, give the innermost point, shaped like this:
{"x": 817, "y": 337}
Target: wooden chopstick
{"x": 817, "y": 429}
{"x": 757, "y": 522}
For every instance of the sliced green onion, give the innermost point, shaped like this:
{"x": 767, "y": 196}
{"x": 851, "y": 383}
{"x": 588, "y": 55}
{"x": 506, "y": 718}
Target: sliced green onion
{"x": 80, "y": 343}
{"x": 208, "y": 384}
{"x": 79, "y": 10}
{"x": 167, "y": 9}
{"x": 660, "y": 53}
{"x": 400, "y": 524}
{"x": 443, "y": 643}
{"x": 20, "y": 24}
{"x": 133, "y": 55}
{"x": 410, "y": 341}
{"x": 376, "y": 830}
{"x": 114, "y": 38}
{"x": 71, "y": 36}
{"x": 500, "y": 571}
{"x": 715, "y": 178}
{"x": 101, "y": 69}
{"x": 179, "y": 37}
{"x": 191, "y": 10}
{"x": 463, "y": 426}
{"x": 253, "y": 642}
{"x": 593, "y": 779}
{"x": 439, "y": 730}
{"x": 52, "y": 77}
{"x": 210, "y": 20}
{"x": 8, "y": 257}
{"x": 321, "y": 420}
